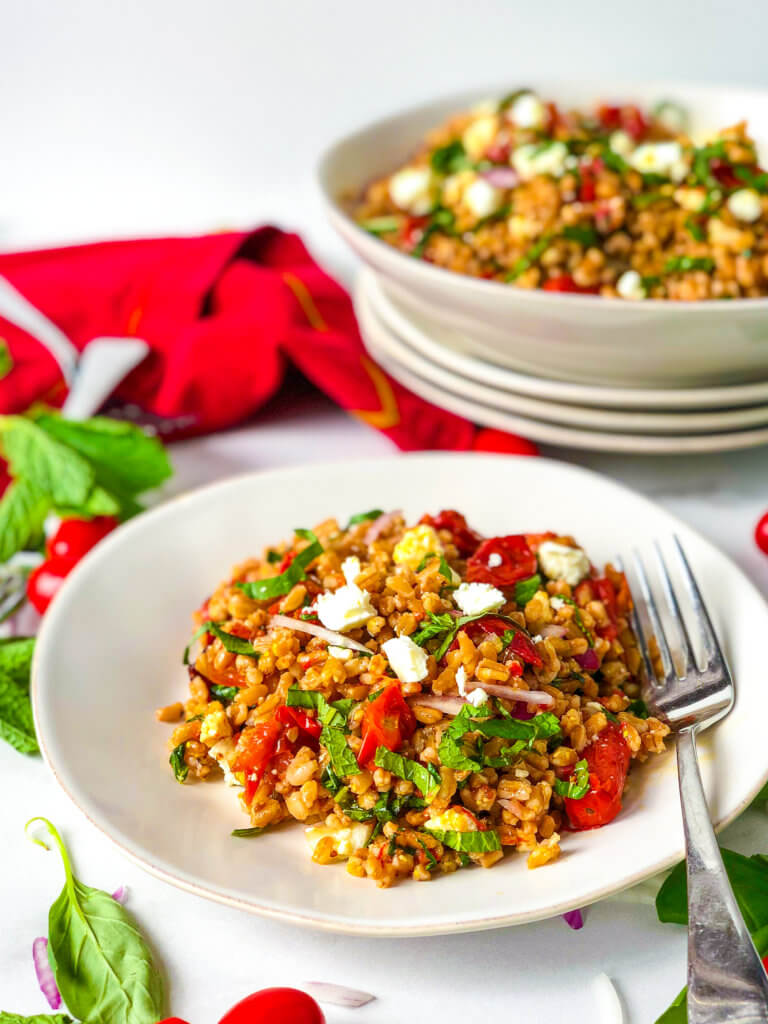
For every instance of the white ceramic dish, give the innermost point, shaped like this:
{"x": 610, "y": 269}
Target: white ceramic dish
{"x": 653, "y": 343}
{"x": 110, "y": 648}
{"x": 379, "y": 343}
{"x": 590, "y": 417}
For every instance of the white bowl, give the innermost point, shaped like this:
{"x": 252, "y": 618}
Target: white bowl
{"x": 109, "y": 652}
{"x": 584, "y": 338}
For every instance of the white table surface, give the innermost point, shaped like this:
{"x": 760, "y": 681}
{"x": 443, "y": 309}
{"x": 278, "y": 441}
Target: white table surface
{"x": 184, "y": 116}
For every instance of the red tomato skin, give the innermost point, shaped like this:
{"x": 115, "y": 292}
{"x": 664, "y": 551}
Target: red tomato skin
{"x": 295, "y": 716}
{"x": 464, "y": 537}
{"x": 172, "y": 1020}
{"x": 387, "y": 721}
{"x": 255, "y": 749}
{"x": 607, "y": 757}
{"x": 521, "y": 645}
{"x": 565, "y": 283}
{"x": 46, "y": 580}
{"x": 761, "y": 533}
{"x": 75, "y": 537}
{"x": 275, "y": 1006}
{"x": 518, "y": 562}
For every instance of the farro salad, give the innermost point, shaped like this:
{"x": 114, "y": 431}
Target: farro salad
{"x": 615, "y": 201}
{"x": 421, "y": 697}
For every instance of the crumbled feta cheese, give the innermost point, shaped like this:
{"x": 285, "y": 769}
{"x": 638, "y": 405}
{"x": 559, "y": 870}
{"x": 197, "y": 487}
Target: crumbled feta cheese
{"x": 415, "y": 544}
{"x": 656, "y": 157}
{"x": 477, "y": 697}
{"x": 482, "y": 198}
{"x": 345, "y": 840}
{"x": 342, "y": 653}
{"x": 413, "y": 189}
{"x": 461, "y": 680}
{"x": 477, "y": 598}
{"x": 532, "y": 159}
{"x": 557, "y": 603}
{"x": 479, "y": 134}
{"x": 408, "y": 660}
{"x": 537, "y": 639}
{"x": 452, "y": 820}
{"x": 691, "y": 199}
{"x": 745, "y": 204}
{"x": 214, "y": 727}
{"x": 527, "y": 111}
{"x": 345, "y": 608}
{"x": 621, "y": 143}
{"x": 560, "y": 562}
{"x": 630, "y": 285}
{"x": 222, "y": 753}
{"x": 351, "y": 568}
{"x": 494, "y": 560}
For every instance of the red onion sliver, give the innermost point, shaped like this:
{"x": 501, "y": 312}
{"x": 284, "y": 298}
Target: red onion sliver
{"x": 553, "y": 630}
{"x": 378, "y": 526}
{"x": 299, "y": 626}
{"x": 337, "y": 995}
{"x": 512, "y": 693}
{"x": 448, "y": 705}
{"x": 120, "y": 895}
{"x": 45, "y": 978}
{"x": 589, "y": 660}
{"x": 501, "y": 177}
{"x": 574, "y": 919}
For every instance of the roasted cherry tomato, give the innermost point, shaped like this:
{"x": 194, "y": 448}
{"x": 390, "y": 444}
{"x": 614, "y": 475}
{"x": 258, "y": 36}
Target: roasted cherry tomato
{"x": 412, "y": 232}
{"x": 498, "y": 152}
{"x": 628, "y": 118}
{"x": 75, "y": 537}
{"x": 565, "y": 283}
{"x": 295, "y": 716}
{"x": 255, "y": 749}
{"x": 464, "y": 537}
{"x": 761, "y": 533}
{"x": 44, "y": 583}
{"x": 725, "y": 174}
{"x": 275, "y": 1006}
{"x": 387, "y": 721}
{"x": 521, "y": 644}
{"x": 607, "y": 758}
{"x": 502, "y": 561}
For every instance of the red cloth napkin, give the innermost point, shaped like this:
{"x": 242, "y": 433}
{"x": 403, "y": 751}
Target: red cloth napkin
{"x": 223, "y": 315}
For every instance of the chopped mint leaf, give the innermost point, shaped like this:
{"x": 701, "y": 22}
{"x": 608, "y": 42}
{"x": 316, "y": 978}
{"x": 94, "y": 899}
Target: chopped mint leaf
{"x": 363, "y": 517}
{"x": 577, "y": 786}
{"x": 177, "y": 762}
{"x": 525, "y": 589}
{"x": 277, "y": 586}
{"x": 425, "y": 776}
{"x": 468, "y": 842}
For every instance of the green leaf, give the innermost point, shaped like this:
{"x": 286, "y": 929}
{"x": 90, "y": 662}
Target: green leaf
{"x": 468, "y": 842}
{"x": 577, "y": 786}
{"x": 363, "y": 517}
{"x": 38, "y": 1018}
{"x": 177, "y": 762}
{"x": 450, "y": 158}
{"x": 247, "y": 833}
{"x": 233, "y": 644}
{"x": 425, "y": 777}
{"x": 334, "y": 715}
{"x": 694, "y": 228}
{"x": 274, "y": 556}
{"x": 98, "y": 503}
{"x": 16, "y": 724}
{"x": 759, "y": 182}
{"x": 331, "y": 781}
{"x": 645, "y": 199}
{"x": 102, "y": 965}
{"x": 6, "y": 359}
{"x": 439, "y": 220}
{"x": 582, "y": 233}
{"x": 542, "y": 726}
{"x": 638, "y": 708}
{"x": 16, "y": 658}
{"x": 381, "y": 225}
{"x": 529, "y": 258}
{"x": 53, "y": 467}
{"x": 749, "y": 880}
{"x": 276, "y": 586}
{"x": 124, "y": 458}
{"x": 343, "y": 760}
{"x": 525, "y": 589}
{"x": 511, "y": 97}
{"x": 445, "y": 569}
{"x": 436, "y": 625}
{"x": 452, "y": 752}
{"x": 226, "y": 694}
{"x": 23, "y": 509}
{"x": 684, "y": 264}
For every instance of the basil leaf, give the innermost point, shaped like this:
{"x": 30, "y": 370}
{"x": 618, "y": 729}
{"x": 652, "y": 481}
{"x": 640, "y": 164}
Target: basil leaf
{"x": 436, "y": 626}
{"x": 425, "y": 777}
{"x": 525, "y": 589}
{"x": 39, "y": 1018}
{"x": 694, "y": 228}
{"x": 682, "y": 264}
{"x": 274, "y": 556}
{"x": 468, "y": 842}
{"x": 577, "y": 786}
{"x": 451, "y": 751}
{"x": 177, "y": 762}
{"x": 364, "y": 517}
{"x": 640, "y": 202}
{"x": 23, "y": 509}
{"x": 582, "y": 233}
{"x": 55, "y": 469}
{"x": 16, "y": 658}
{"x": 334, "y": 715}
{"x": 16, "y": 723}
{"x": 195, "y": 636}
{"x": 98, "y": 503}
{"x": 234, "y": 644}
{"x": 276, "y": 586}
{"x": 529, "y": 258}
{"x": 102, "y": 965}
{"x": 331, "y": 781}
{"x": 343, "y": 760}
{"x": 381, "y": 225}
{"x": 450, "y": 158}
{"x": 638, "y": 708}
{"x": 246, "y": 833}
{"x": 431, "y": 860}
{"x": 759, "y": 182}
{"x": 445, "y": 569}
{"x": 542, "y": 726}
{"x": 507, "y": 756}
{"x": 226, "y": 694}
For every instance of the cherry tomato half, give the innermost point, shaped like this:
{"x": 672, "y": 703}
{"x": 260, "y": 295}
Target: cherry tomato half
{"x": 761, "y": 533}
{"x": 464, "y": 537}
{"x": 296, "y": 717}
{"x": 387, "y": 721}
{"x": 75, "y": 537}
{"x": 607, "y": 758}
{"x": 275, "y": 1006}
{"x": 502, "y": 561}
{"x": 520, "y": 646}
{"x": 46, "y": 580}
{"x": 255, "y": 748}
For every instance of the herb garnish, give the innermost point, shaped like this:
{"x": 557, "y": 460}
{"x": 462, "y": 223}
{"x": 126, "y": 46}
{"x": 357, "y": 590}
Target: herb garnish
{"x": 381, "y": 225}
{"x": 525, "y": 589}
{"x": 230, "y": 642}
{"x": 577, "y": 786}
{"x": 363, "y": 517}
{"x": 759, "y": 182}
{"x": 682, "y": 264}
{"x": 445, "y": 569}
{"x": 247, "y": 833}
{"x": 468, "y": 842}
{"x": 577, "y": 618}
{"x": 226, "y": 694}
{"x": 638, "y": 708}
{"x": 439, "y": 220}
{"x": 455, "y": 754}
{"x": 529, "y": 258}
{"x": 277, "y": 586}
{"x": 274, "y": 556}
{"x": 695, "y": 228}
{"x": 450, "y": 158}
{"x": 334, "y": 720}
{"x": 582, "y": 233}
{"x": 425, "y": 776}
{"x": 177, "y": 762}
{"x": 16, "y": 723}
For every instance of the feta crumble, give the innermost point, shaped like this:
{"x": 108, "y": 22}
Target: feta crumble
{"x": 345, "y": 608}
{"x": 561, "y": 562}
{"x": 345, "y": 840}
{"x": 478, "y": 598}
{"x": 530, "y": 160}
{"x": 408, "y": 660}
{"x": 745, "y": 204}
{"x": 351, "y": 569}
{"x": 630, "y": 286}
{"x": 477, "y": 697}
{"x": 413, "y": 189}
{"x": 461, "y": 680}
{"x": 527, "y": 111}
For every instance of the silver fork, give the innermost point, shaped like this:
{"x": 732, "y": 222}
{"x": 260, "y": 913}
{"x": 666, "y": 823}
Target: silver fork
{"x": 726, "y": 979}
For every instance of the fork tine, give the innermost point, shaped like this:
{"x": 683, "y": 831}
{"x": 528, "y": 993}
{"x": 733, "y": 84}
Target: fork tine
{"x": 653, "y": 615}
{"x": 712, "y": 647}
{"x": 674, "y": 610}
{"x": 634, "y": 620}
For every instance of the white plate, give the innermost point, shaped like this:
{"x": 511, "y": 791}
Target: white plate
{"x": 451, "y": 350}
{"x": 110, "y": 648}
{"x": 583, "y": 338}
{"x": 367, "y": 294}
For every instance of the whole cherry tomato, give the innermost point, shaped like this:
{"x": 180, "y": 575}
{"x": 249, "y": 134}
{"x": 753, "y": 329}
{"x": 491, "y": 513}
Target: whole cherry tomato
{"x": 387, "y": 721}
{"x": 275, "y": 1006}
{"x": 607, "y": 758}
{"x": 502, "y": 561}
{"x": 44, "y": 583}
{"x": 75, "y": 537}
{"x": 761, "y": 533}
{"x": 464, "y": 537}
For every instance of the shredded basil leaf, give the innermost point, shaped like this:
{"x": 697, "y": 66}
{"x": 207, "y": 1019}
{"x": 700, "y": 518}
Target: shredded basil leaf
{"x": 436, "y": 626}
{"x": 363, "y": 517}
{"x": 431, "y": 859}
{"x": 246, "y": 833}
{"x": 445, "y": 569}
{"x": 683, "y": 264}
{"x": 233, "y": 644}
{"x": 177, "y": 762}
{"x": 529, "y": 258}
{"x": 334, "y": 715}
{"x": 450, "y": 158}
{"x": 439, "y": 220}
{"x": 195, "y": 636}
{"x": 468, "y": 842}
{"x": 759, "y": 182}
{"x": 343, "y": 760}
{"x": 425, "y": 776}
{"x": 223, "y": 693}
{"x": 694, "y": 228}
{"x": 582, "y": 233}
{"x": 577, "y": 786}
{"x": 638, "y": 708}
{"x": 274, "y": 556}
{"x": 277, "y": 586}
{"x": 525, "y": 589}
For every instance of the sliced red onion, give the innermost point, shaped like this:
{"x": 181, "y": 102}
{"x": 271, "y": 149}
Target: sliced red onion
{"x": 553, "y": 630}
{"x": 448, "y": 705}
{"x": 501, "y": 177}
{"x": 512, "y": 693}
{"x": 589, "y": 660}
{"x": 380, "y": 525}
{"x": 299, "y": 626}
{"x": 337, "y": 995}
{"x": 44, "y": 972}
{"x": 574, "y": 919}
{"x": 120, "y": 895}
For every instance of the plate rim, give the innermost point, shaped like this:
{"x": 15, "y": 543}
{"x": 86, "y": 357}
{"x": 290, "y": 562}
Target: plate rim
{"x": 323, "y": 923}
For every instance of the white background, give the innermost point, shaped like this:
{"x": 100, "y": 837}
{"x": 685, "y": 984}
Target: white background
{"x": 149, "y": 117}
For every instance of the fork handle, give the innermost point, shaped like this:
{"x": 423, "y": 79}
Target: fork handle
{"x": 726, "y": 978}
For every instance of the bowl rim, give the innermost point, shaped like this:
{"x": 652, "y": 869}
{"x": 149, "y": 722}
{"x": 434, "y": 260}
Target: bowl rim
{"x": 478, "y": 287}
